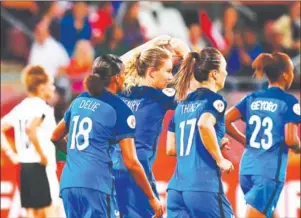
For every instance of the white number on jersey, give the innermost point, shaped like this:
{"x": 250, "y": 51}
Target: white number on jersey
{"x": 267, "y": 124}
{"x": 192, "y": 123}
{"x": 79, "y": 130}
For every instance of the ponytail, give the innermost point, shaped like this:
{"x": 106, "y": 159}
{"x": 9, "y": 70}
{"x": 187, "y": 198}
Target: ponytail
{"x": 132, "y": 77}
{"x": 185, "y": 74}
{"x": 271, "y": 65}
{"x": 94, "y": 84}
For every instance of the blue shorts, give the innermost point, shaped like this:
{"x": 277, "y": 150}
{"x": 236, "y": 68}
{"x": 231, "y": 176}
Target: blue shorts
{"x": 87, "y": 203}
{"x": 132, "y": 202}
{"x": 261, "y": 193}
{"x": 190, "y": 204}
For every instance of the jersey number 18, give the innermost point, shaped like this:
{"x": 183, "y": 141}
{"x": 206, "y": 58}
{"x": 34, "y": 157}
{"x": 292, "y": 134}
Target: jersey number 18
{"x": 80, "y": 130}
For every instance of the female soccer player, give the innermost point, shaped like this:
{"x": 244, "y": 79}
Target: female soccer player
{"x": 271, "y": 116}
{"x": 95, "y": 120}
{"x": 33, "y": 121}
{"x": 148, "y": 72}
{"x": 195, "y": 135}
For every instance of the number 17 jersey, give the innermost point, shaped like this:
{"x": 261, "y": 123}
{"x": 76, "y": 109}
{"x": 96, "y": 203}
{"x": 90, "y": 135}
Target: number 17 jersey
{"x": 266, "y": 112}
{"x": 196, "y": 170}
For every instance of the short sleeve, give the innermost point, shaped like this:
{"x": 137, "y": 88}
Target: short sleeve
{"x": 216, "y": 107}
{"x": 168, "y": 100}
{"x": 242, "y": 107}
{"x": 11, "y": 117}
{"x": 125, "y": 123}
{"x": 171, "y": 125}
{"x": 67, "y": 116}
{"x": 292, "y": 114}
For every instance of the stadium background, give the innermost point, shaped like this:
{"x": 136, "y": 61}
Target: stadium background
{"x": 242, "y": 30}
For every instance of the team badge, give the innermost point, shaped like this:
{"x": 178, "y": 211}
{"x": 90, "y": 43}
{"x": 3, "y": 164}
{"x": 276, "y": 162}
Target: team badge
{"x": 169, "y": 92}
{"x": 296, "y": 109}
{"x": 131, "y": 121}
{"x": 219, "y": 105}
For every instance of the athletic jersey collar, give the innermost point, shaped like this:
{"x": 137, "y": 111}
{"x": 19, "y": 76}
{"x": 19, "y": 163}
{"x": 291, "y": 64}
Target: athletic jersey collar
{"x": 142, "y": 91}
{"x": 198, "y": 92}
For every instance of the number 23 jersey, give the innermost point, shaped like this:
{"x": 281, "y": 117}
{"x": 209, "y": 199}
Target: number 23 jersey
{"x": 266, "y": 113}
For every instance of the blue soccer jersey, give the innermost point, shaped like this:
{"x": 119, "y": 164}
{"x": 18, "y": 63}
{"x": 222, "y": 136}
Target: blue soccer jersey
{"x": 94, "y": 124}
{"x": 266, "y": 112}
{"x": 196, "y": 170}
{"x": 149, "y": 106}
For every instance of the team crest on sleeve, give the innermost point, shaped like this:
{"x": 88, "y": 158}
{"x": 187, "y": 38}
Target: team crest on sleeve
{"x": 296, "y": 109}
{"x": 219, "y": 105}
{"x": 169, "y": 92}
{"x": 131, "y": 121}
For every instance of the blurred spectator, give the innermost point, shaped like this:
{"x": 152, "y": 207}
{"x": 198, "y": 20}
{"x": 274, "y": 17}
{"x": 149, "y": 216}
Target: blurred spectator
{"x": 26, "y": 12}
{"x": 46, "y": 51}
{"x": 196, "y": 41}
{"x": 100, "y": 20}
{"x": 75, "y": 26}
{"x": 53, "y": 14}
{"x": 130, "y": 24}
{"x": 113, "y": 42}
{"x": 289, "y": 26}
{"x": 80, "y": 65}
{"x": 229, "y": 27}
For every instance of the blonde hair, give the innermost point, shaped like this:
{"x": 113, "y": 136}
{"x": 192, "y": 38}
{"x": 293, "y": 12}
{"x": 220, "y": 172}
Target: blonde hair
{"x": 87, "y": 55}
{"x": 136, "y": 68}
{"x": 33, "y": 76}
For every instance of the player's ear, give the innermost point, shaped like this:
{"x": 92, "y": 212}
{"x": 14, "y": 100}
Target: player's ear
{"x": 152, "y": 72}
{"x": 214, "y": 74}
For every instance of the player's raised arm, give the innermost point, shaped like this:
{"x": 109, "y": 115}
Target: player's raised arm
{"x": 131, "y": 161}
{"x": 232, "y": 115}
{"x": 208, "y": 135}
{"x": 158, "y": 41}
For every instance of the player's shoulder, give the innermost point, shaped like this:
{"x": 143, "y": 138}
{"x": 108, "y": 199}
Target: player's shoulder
{"x": 116, "y": 103}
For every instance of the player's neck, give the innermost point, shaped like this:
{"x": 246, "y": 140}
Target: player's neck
{"x": 276, "y": 85}
{"x": 208, "y": 85}
{"x": 33, "y": 95}
{"x": 147, "y": 82}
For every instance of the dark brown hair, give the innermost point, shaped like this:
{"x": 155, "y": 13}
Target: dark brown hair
{"x": 104, "y": 67}
{"x": 271, "y": 65}
{"x": 198, "y": 65}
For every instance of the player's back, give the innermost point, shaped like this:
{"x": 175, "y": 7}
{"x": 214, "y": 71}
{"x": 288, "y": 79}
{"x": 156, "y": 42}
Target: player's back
{"x": 149, "y": 106}
{"x": 266, "y": 112}
{"x": 20, "y": 117}
{"x": 91, "y": 122}
{"x": 196, "y": 170}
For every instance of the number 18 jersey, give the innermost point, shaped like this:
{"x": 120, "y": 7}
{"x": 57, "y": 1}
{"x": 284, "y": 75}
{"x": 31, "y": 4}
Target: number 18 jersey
{"x": 196, "y": 170}
{"x": 94, "y": 125}
{"x": 266, "y": 112}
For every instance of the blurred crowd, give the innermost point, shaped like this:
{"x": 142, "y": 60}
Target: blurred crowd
{"x": 64, "y": 36}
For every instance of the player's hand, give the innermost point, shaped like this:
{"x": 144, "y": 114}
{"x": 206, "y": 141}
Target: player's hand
{"x": 157, "y": 207}
{"x": 225, "y": 142}
{"x": 179, "y": 47}
{"x": 225, "y": 165}
{"x": 161, "y": 40}
{"x": 44, "y": 160}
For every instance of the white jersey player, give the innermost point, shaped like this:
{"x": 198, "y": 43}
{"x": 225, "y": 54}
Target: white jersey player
{"x": 33, "y": 122}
